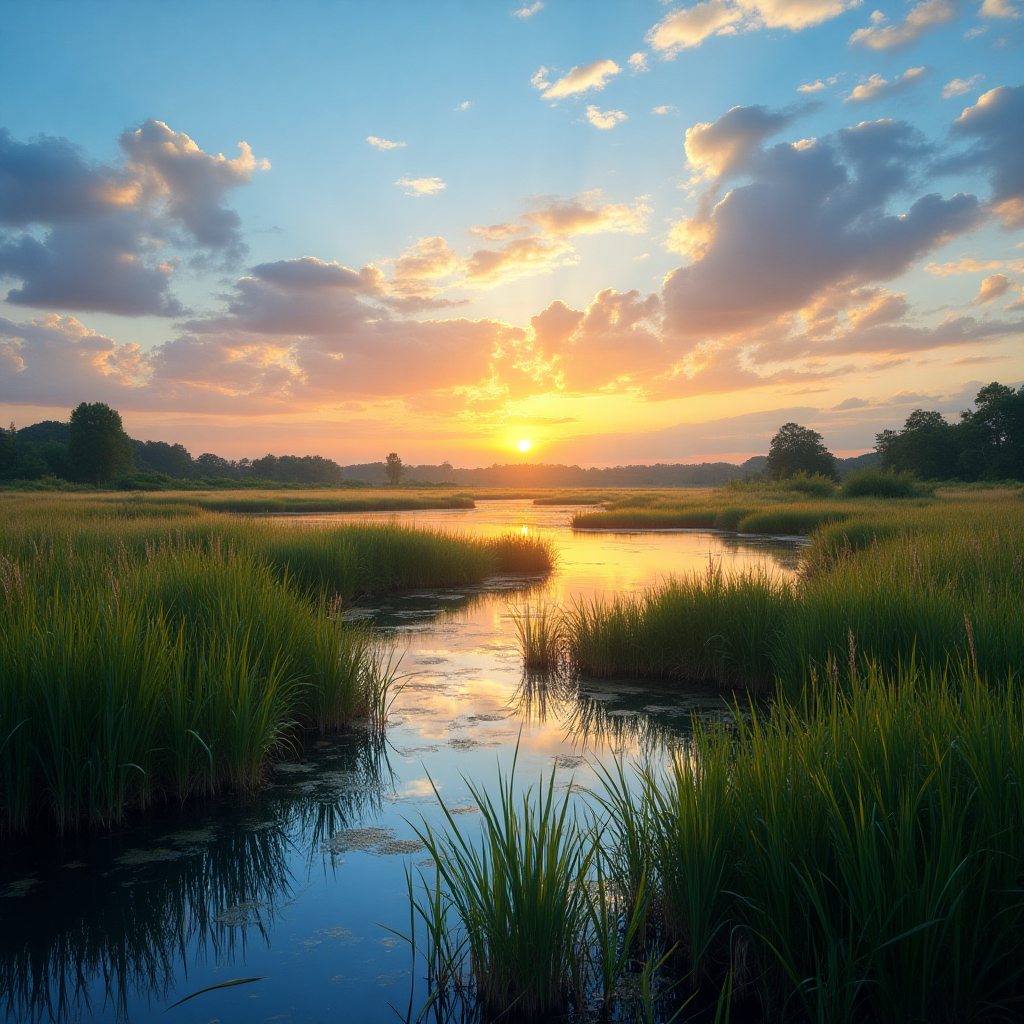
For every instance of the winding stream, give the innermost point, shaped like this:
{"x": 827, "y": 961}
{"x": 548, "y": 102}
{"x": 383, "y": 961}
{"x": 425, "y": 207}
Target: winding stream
{"x": 292, "y": 887}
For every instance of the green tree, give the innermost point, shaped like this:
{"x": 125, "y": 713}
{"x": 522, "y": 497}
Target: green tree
{"x": 992, "y": 437}
{"x": 927, "y": 445}
{"x": 98, "y": 447}
{"x": 393, "y": 467}
{"x": 796, "y": 449}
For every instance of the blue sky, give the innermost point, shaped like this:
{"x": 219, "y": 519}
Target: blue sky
{"x": 599, "y": 196}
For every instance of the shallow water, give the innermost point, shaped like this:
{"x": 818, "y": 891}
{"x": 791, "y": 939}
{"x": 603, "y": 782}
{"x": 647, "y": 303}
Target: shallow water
{"x": 293, "y": 887}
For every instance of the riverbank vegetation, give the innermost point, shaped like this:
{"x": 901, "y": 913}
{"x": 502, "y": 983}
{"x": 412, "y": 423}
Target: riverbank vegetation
{"x": 149, "y": 651}
{"x": 850, "y": 852}
{"x": 852, "y": 857}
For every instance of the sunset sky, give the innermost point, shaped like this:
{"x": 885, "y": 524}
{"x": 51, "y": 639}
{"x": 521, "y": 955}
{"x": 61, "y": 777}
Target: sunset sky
{"x": 623, "y": 232}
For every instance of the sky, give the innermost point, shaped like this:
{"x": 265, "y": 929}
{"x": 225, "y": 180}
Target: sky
{"x": 613, "y": 232}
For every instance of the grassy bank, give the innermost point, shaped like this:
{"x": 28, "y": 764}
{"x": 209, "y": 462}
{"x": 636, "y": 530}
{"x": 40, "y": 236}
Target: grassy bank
{"x": 853, "y": 858}
{"x": 897, "y": 583}
{"x": 150, "y": 650}
{"x": 799, "y": 505}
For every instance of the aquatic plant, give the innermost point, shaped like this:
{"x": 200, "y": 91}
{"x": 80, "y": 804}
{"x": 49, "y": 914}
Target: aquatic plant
{"x": 148, "y": 653}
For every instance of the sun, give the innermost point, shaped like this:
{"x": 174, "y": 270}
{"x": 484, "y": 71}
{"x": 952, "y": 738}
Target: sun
{"x": 524, "y": 445}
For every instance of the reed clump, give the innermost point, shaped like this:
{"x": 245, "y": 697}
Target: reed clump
{"x": 852, "y": 858}
{"x": 521, "y": 920}
{"x": 150, "y": 652}
{"x": 929, "y": 584}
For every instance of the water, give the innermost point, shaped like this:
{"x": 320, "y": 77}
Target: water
{"x": 294, "y": 886}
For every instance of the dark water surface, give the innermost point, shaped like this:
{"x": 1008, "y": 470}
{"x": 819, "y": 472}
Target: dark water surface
{"x": 293, "y": 886}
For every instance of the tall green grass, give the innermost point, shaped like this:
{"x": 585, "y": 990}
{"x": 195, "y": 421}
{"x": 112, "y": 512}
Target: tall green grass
{"x": 148, "y": 653}
{"x": 863, "y": 851}
{"x": 932, "y": 585}
{"x": 852, "y": 858}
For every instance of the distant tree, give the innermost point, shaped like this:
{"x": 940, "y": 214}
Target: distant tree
{"x": 98, "y": 447}
{"x": 161, "y": 457}
{"x": 296, "y": 469}
{"x": 794, "y": 449}
{"x": 927, "y": 445}
{"x": 393, "y": 467}
{"x": 991, "y": 439}
{"x": 446, "y": 470}
{"x": 210, "y": 465}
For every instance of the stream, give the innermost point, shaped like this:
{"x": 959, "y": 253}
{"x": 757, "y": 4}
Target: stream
{"x": 298, "y": 886}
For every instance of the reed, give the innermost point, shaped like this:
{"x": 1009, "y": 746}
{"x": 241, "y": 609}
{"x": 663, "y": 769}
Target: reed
{"x": 148, "y": 653}
{"x": 864, "y": 846}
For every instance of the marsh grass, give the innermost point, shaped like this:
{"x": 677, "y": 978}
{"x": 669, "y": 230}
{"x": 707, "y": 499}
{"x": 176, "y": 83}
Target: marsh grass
{"x": 540, "y": 633}
{"x": 851, "y": 858}
{"x": 523, "y": 919}
{"x": 934, "y": 584}
{"x": 148, "y": 653}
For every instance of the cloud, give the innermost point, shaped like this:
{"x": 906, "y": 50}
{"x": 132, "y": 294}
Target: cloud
{"x": 528, "y": 10}
{"x": 585, "y": 214}
{"x": 969, "y": 265}
{"x": 880, "y": 35}
{"x": 877, "y": 88}
{"x": 421, "y": 186}
{"x": 995, "y": 286}
{"x": 995, "y": 127}
{"x": 604, "y": 118}
{"x": 690, "y": 26}
{"x": 497, "y": 232}
{"x": 665, "y": 109}
{"x": 514, "y": 259}
{"x": 725, "y": 146}
{"x": 616, "y": 342}
{"x": 384, "y": 143}
{"x": 818, "y": 85}
{"x": 638, "y": 62}
{"x": 998, "y": 9}
{"x": 465, "y": 105}
{"x": 851, "y": 403}
{"x": 814, "y": 214}
{"x": 579, "y": 80}
{"x": 55, "y": 360}
{"x": 959, "y": 86}
{"x": 85, "y": 236}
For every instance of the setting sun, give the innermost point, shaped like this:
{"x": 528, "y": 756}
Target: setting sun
{"x": 524, "y": 445}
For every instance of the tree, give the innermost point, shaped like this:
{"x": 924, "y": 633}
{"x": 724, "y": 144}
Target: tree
{"x": 98, "y": 447}
{"x": 796, "y": 449}
{"x": 393, "y": 468}
{"x": 927, "y": 445}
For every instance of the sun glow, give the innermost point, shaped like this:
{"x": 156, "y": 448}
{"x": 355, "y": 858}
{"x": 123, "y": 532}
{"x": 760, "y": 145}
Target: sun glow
{"x": 524, "y": 445}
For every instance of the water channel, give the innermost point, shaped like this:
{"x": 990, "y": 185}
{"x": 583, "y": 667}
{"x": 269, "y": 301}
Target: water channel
{"x": 293, "y": 887}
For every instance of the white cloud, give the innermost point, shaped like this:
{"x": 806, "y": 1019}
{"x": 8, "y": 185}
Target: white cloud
{"x": 528, "y": 10}
{"x": 421, "y": 186}
{"x": 579, "y": 80}
{"x": 666, "y": 109}
{"x": 383, "y": 143}
{"x": 880, "y": 35}
{"x": 465, "y": 105}
{"x": 586, "y": 215}
{"x": 690, "y": 26}
{"x": 877, "y": 88}
{"x": 604, "y": 118}
{"x": 638, "y": 62}
{"x": 959, "y": 86}
{"x": 998, "y": 9}
{"x": 818, "y": 85}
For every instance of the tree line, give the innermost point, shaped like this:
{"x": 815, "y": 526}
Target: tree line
{"x": 92, "y": 447}
{"x": 986, "y": 444}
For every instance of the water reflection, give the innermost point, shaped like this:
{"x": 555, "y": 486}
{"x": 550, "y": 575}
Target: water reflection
{"x": 291, "y": 885}
{"x": 117, "y": 920}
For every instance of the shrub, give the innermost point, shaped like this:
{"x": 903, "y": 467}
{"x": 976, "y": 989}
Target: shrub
{"x": 878, "y": 483}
